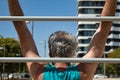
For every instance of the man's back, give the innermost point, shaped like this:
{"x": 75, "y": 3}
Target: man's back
{"x": 53, "y": 73}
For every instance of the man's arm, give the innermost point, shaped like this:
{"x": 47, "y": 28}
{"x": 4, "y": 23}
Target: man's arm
{"x": 98, "y": 41}
{"x": 26, "y": 41}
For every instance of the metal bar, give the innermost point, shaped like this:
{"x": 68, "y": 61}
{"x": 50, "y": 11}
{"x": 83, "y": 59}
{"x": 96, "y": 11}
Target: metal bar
{"x": 58, "y": 18}
{"x": 82, "y": 60}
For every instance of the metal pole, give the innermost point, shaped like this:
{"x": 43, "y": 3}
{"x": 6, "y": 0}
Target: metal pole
{"x": 32, "y": 28}
{"x": 45, "y": 48}
{"x": 104, "y": 65}
{"x": 58, "y": 18}
{"x": 4, "y": 62}
{"x": 19, "y": 63}
{"x": 2, "y": 66}
{"x": 82, "y": 60}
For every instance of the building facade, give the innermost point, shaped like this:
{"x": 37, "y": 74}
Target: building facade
{"x": 85, "y": 30}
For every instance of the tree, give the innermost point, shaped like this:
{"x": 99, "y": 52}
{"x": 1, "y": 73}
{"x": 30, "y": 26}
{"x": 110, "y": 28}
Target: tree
{"x": 9, "y": 47}
{"x": 113, "y": 69}
{"x": 115, "y": 53}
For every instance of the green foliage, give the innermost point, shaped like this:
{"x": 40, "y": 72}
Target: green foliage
{"x": 115, "y": 53}
{"x": 113, "y": 68}
{"x": 9, "y": 47}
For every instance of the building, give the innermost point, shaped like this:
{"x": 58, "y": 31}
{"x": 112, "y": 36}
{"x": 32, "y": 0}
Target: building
{"x": 85, "y": 30}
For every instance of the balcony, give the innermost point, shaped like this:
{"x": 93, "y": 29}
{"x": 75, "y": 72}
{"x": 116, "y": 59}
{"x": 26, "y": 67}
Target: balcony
{"x": 113, "y": 44}
{"x": 113, "y": 36}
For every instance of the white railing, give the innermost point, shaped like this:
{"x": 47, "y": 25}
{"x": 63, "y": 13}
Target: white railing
{"x": 82, "y": 60}
{"x": 58, "y": 18}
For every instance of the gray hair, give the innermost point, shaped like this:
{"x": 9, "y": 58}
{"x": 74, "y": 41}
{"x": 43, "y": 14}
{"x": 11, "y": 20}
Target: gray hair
{"x": 62, "y": 44}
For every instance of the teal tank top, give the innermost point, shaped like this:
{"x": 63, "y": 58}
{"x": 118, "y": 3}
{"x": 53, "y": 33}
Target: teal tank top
{"x": 51, "y": 73}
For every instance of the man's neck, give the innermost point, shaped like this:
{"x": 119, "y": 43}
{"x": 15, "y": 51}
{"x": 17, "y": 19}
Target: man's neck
{"x": 61, "y": 66}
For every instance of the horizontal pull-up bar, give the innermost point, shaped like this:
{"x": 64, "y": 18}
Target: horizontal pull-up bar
{"x": 82, "y": 60}
{"x": 58, "y": 18}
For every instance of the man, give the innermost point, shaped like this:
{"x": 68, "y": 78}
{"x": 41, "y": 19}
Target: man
{"x": 62, "y": 44}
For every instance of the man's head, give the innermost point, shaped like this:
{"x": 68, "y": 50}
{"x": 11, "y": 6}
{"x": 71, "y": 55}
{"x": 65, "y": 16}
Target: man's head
{"x": 62, "y": 44}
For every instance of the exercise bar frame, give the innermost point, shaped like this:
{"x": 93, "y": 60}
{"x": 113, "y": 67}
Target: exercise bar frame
{"x": 58, "y": 18}
{"x": 81, "y": 60}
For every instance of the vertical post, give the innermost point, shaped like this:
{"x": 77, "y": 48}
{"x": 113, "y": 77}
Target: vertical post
{"x": 4, "y": 56}
{"x": 18, "y": 55}
{"x": 32, "y": 28}
{"x": 104, "y": 66}
{"x": 19, "y": 63}
{"x": 3, "y": 67}
{"x": 45, "y": 48}
{"x": 44, "y": 42}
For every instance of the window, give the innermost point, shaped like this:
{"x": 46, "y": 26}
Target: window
{"x": 82, "y": 48}
{"x": 85, "y": 41}
{"x": 91, "y": 3}
{"x": 107, "y": 48}
{"x": 114, "y": 32}
{"x": 86, "y": 33}
{"x": 89, "y": 11}
{"x": 116, "y": 25}
{"x": 87, "y": 26}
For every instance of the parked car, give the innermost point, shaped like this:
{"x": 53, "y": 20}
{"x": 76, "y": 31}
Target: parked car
{"x": 10, "y": 76}
{"x": 100, "y": 76}
{"x": 15, "y": 76}
{"x": 4, "y": 76}
{"x": 26, "y": 76}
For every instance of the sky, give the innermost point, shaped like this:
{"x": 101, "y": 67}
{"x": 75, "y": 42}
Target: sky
{"x": 42, "y": 29}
